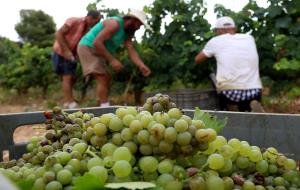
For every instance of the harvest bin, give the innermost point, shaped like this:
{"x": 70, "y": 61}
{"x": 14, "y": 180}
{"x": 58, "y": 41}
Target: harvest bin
{"x": 281, "y": 131}
{"x": 190, "y": 98}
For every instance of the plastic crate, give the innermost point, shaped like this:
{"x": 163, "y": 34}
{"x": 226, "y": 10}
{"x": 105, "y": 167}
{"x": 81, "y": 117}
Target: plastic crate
{"x": 281, "y": 131}
{"x": 206, "y": 99}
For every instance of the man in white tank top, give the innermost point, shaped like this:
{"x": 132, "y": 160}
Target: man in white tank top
{"x": 238, "y": 82}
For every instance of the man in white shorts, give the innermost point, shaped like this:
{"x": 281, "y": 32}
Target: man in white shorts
{"x": 238, "y": 81}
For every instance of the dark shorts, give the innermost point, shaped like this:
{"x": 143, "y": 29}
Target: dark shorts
{"x": 62, "y": 66}
{"x": 242, "y": 105}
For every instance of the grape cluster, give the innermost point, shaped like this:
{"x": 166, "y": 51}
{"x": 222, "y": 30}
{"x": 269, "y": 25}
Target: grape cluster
{"x": 157, "y": 143}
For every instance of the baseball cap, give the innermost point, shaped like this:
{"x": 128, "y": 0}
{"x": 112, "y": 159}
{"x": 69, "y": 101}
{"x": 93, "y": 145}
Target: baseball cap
{"x": 225, "y": 22}
{"x": 140, "y": 15}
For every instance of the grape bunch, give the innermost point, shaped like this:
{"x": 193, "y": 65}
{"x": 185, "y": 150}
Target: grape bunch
{"x": 158, "y": 103}
{"x": 157, "y": 144}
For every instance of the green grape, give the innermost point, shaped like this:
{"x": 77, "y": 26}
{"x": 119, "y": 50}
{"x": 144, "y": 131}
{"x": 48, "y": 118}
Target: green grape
{"x": 105, "y": 118}
{"x": 108, "y": 161}
{"x": 122, "y": 168}
{"x": 126, "y": 134}
{"x": 132, "y": 110}
{"x": 131, "y": 146}
{"x": 165, "y": 166}
{"x": 262, "y": 166}
{"x": 212, "y": 134}
{"x": 227, "y": 166}
{"x": 98, "y": 141}
{"x": 127, "y": 119}
{"x": 280, "y": 160}
{"x": 289, "y": 164}
{"x": 289, "y": 175}
{"x": 63, "y": 157}
{"x": 64, "y": 177}
{"x": 122, "y": 153}
{"x": 272, "y": 153}
{"x": 184, "y": 138}
{"x": 192, "y": 130}
{"x": 39, "y": 184}
{"x": 143, "y": 137}
{"x": 40, "y": 171}
{"x": 235, "y": 144}
{"x": 148, "y": 164}
{"x": 165, "y": 147}
{"x": 219, "y": 142}
{"x": 75, "y": 164}
{"x": 215, "y": 161}
{"x": 226, "y": 151}
{"x": 259, "y": 187}
{"x": 116, "y": 139}
{"x": 210, "y": 149}
{"x": 108, "y": 149}
{"x": 150, "y": 176}
{"x": 245, "y": 150}
{"x": 80, "y": 147}
{"x": 214, "y": 182}
{"x": 157, "y": 130}
{"x": 255, "y": 155}
{"x": 54, "y": 185}
{"x": 202, "y": 135}
{"x": 94, "y": 162}
{"x": 273, "y": 169}
{"x": 170, "y": 135}
{"x": 175, "y": 113}
{"x": 100, "y": 129}
{"x": 198, "y": 160}
{"x": 145, "y": 149}
{"x": 135, "y": 126}
{"x": 173, "y": 185}
{"x": 162, "y": 118}
{"x": 115, "y": 124}
{"x": 278, "y": 181}
{"x": 70, "y": 168}
{"x": 48, "y": 176}
{"x": 163, "y": 179}
{"x": 181, "y": 125}
{"x": 197, "y": 183}
{"x": 242, "y": 162}
{"x": 146, "y": 119}
{"x": 228, "y": 183}
{"x": 248, "y": 185}
{"x": 57, "y": 167}
{"x": 121, "y": 112}
{"x": 30, "y": 147}
{"x": 188, "y": 119}
{"x": 153, "y": 140}
{"x": 100, "y": 172}
{"x": 199, "y": 124}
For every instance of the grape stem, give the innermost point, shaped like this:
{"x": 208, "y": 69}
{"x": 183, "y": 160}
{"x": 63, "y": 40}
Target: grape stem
{"x": 89, "y": 152}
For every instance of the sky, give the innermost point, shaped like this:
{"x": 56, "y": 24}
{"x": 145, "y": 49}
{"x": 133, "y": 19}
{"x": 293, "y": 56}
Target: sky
{"x": 60, "y": 10}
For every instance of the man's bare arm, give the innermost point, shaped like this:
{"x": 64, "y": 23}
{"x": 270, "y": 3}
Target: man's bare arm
{"x": 200, "y": 58}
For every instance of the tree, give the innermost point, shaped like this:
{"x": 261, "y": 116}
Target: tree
{"x": 36, "y": 27}
{"x": 179, "y": 33}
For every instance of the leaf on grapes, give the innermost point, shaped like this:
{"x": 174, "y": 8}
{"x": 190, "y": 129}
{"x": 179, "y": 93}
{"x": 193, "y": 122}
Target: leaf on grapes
{"x": 210, "y": 121}
{"x": 88, "y": 182}
{"x": 131, "y": 185}
{"x": 25, "y": 184}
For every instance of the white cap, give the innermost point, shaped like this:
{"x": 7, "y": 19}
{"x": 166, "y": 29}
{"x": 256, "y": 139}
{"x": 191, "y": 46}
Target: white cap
{"x": 225, "y": 22}
{"x": 140, "y": 15}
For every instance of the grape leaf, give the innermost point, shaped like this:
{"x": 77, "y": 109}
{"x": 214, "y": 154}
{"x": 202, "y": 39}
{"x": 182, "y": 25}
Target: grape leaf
{"x": 88, "y": 182}
{"x": 210, "y": 121}
{"x": 25, "y": 184}
{"x": 130, "y": 185}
